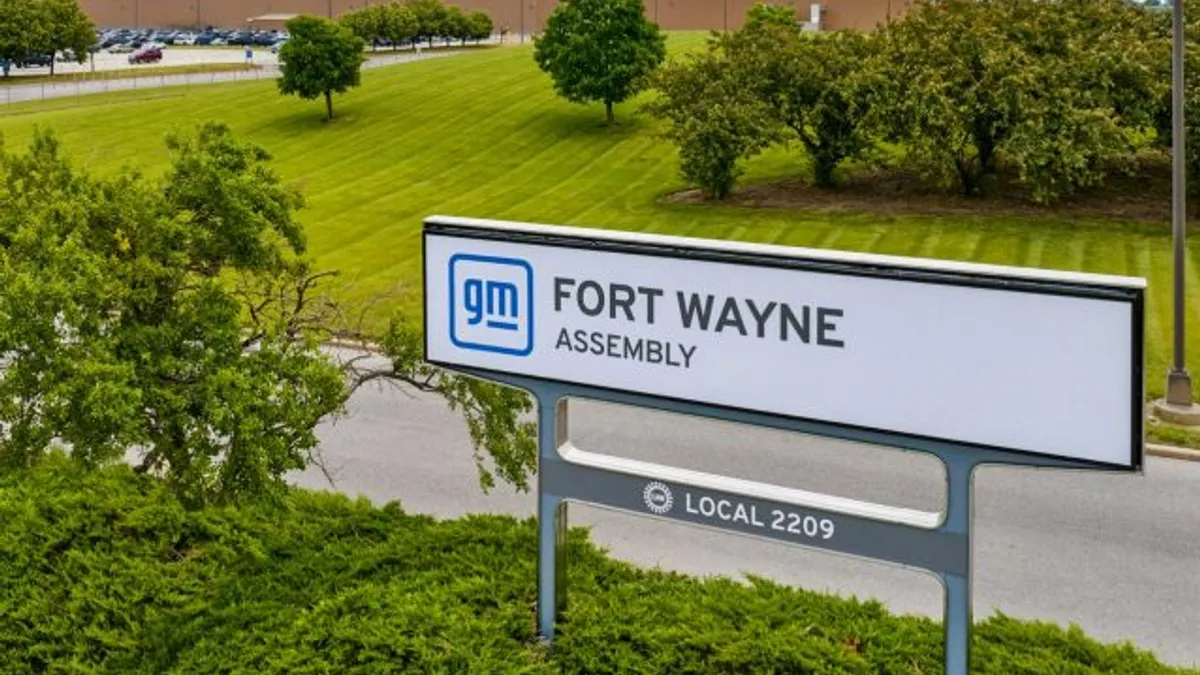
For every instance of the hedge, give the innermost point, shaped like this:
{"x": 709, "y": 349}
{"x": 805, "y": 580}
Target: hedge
{"x": 105, "y": 572}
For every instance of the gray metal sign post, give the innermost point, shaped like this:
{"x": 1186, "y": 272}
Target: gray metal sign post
{"x": 901, "y": 536}
{"x": 629, "y": 319}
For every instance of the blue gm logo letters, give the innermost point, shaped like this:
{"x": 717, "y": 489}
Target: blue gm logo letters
{"x": 491, "y": 304}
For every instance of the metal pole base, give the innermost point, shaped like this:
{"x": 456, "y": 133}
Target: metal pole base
{"x": 1179, "y": 387}
{"x": 1178, "y": 407}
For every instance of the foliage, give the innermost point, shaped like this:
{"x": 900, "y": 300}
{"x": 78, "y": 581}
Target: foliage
{"x": 31, "y": 27}
{"x": 321, "y": 58}
{"x": 388, "y": 22}
{"x": 22, "y": 29}
{"x": 399, "y": 24}
{"x": 481, "y": 25}
{"x": 431, "y": 18}
{"x": 107, "y": 573}
{"x": 119, "y": 327}
{"x": 457, "y": 25}
{"x": 715, "y": 120}
{"x": 819, "y": 85}
{"x": 176, "y": 322}
{"x": 66, "y": 27}
{"x": 1191, "y": 101}
{"x": 1059, "y": 89}
{"x": 366, "y": 23}
{"x": 599, "y": 50}
{"x": 497, "y": 417}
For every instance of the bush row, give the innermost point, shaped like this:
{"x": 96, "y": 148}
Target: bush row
{"x": 105, "y": 572}
{"x": 1059, "y": 93}
{"x": 396, "y": 23}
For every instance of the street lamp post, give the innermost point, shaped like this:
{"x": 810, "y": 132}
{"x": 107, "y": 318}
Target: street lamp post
{"x": 1179, "y": 382}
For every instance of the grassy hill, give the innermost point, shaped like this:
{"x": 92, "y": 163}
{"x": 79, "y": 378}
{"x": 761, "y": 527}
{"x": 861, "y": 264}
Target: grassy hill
{"x": 483, "y": 135}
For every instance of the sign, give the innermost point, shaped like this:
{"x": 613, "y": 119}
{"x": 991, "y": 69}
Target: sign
{"x": 1017, "y": 360}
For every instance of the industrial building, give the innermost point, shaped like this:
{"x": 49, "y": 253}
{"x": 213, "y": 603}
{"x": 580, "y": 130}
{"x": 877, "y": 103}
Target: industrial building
{"x": 519, "y": 16}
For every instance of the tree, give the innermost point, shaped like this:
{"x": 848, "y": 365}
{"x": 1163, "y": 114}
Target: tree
{"x": 599, "y": 50}
{"x": 481, "y": 25}
{"x": 368, "y": 23}
{"x": 321, "y": 58}
{"x": 431, "y": 18}
{"x": 176, "y": 322}
{"x": 66, "y": 27}
{"x": 819, "y": 85}
{"x": 1191, "y": 72}
{"x": 1058, "y": 89}
{"x": 716, "y": 120}
{"x": 458, "y": 24}
{"x": 22, "y": 29}
{"x": 399, "y": 24}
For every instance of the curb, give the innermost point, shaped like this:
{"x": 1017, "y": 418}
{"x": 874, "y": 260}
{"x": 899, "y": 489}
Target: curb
{"x": 1172, "y": 452}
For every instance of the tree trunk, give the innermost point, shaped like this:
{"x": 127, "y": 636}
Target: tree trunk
{"x": 328, "y": 105}
{"x": 824, "y": 169}
{"x": 51, "y": 65}
{"x": 608, "y": 112}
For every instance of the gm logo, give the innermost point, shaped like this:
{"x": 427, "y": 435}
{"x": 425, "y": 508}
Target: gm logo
{"x": 491, "y": 304}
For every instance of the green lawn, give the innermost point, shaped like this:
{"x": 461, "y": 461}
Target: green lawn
{"x": 483, "y": 135}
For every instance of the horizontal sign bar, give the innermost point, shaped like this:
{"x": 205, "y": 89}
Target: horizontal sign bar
{"x": 1027, "y": 361}
{"x": 933, "y": 550}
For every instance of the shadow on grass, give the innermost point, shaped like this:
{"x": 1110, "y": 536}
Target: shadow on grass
{"x": 588, "y": 121}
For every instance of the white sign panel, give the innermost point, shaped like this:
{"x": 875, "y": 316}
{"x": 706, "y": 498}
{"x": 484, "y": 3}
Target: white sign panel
{"x": 1012, "y": 359}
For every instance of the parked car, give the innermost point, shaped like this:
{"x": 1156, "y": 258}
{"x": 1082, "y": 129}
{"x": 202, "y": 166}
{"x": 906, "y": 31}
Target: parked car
{"x": 121, "y": 48}
{"x": 278, "y": 45}
{"x": 35, "y": 60}
{"x": 146, "y": 55}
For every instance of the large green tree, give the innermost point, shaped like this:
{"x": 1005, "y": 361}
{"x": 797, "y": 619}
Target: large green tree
{"x": 431, "y": 18}
{"x": 399, "y": 23}
{"x": 176, "y": 322}
{"x": 481, "y": 25}
{"x": 458, "y": 25}
{"x": 66, "y": 27}
{"x": 819, "y": 85}
{"x": 321, "y": 58}
{"x": 1057, "y": 89}
{"x": 600, "y": 50}
{"x": 366, "y": 23}
{"x": 22, "y": 29}
{"x": 716, "y": 119}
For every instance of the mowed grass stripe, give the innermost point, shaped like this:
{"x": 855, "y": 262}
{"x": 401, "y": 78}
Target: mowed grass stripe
{"x": 483, "y": 134}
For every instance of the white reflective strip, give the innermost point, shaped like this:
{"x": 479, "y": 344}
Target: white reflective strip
{"x": 698, "y": 479}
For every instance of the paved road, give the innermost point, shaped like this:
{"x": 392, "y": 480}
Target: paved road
{"x": 1120, "y": 555}
{"x": 17, "y": 93}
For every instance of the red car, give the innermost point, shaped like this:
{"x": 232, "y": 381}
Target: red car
{"x": 146, "y": 55}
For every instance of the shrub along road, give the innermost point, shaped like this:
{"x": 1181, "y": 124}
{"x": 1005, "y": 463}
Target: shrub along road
{"x": 1115, "y": 553}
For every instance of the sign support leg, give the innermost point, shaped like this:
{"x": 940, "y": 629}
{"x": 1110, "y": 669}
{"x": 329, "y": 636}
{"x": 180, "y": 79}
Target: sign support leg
{"x": 958, "y": 586}
{"x": 552, "y": 518}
